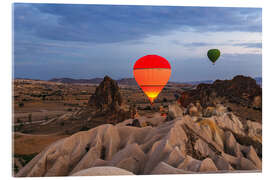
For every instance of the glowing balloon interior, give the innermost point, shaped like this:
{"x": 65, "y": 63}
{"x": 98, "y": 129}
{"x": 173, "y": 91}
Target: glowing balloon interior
{"x": 152, "y": 72}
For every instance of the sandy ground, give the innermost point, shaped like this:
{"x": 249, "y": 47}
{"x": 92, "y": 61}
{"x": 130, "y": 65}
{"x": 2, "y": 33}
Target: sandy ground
{"x": 30, "y": 144}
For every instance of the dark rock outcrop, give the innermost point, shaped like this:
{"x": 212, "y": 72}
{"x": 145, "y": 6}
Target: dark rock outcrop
{"x": 108, "y": 104}
{"x": 105, "y": 106}
{"x": 107, "y": 96}
{"x": 240, "y": 90}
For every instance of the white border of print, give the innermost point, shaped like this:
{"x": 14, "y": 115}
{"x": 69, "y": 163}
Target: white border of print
{"x": 6, "y": 88}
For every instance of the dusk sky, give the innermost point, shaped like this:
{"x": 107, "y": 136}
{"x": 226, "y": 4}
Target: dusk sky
{"x": 88, "y": 41}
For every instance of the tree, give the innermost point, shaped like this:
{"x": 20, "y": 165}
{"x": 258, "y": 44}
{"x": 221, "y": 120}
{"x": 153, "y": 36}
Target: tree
{"x": 21, "y": 104}
{"x": 30, "y": 117}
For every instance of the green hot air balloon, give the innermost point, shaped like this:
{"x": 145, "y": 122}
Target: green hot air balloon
{"x": 213, "y": 55}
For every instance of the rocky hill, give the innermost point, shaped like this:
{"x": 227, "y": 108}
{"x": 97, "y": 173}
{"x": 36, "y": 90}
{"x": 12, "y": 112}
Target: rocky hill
{"x": 210, "y": 130}
{"x": 107, "y": 96}
{"x": 105, "y": 106}
{"x": 240, "y": 90}
{"x": 242, "y": 95}
{"x": 179, "y": 144}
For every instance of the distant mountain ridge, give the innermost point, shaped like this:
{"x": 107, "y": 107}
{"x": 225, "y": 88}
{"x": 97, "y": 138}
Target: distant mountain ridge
{"x": 124, "y": 81}
{"x": 71, "y": 80}
{"x": 257, "y": 79}
{"x": 132, "y": 81}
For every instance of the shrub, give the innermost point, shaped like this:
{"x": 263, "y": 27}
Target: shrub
{"x": 19, "y": 120}
{"x": 25, "y": 158}
{"x": 84, "y": 128}
{"x": 21, "y": 104}
{"x": 147, "y": 108}
{"x": 43, "y": 97}
{"x": 30, "y": 117}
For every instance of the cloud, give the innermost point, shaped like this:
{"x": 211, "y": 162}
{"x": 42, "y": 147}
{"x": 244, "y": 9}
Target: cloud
{"x": 193, "y": 44}
{"x": 83, "y": 41}
{"x": 227, "y": 66}
{"x": 106, "y": 24}
{"x": 249, "y": 45}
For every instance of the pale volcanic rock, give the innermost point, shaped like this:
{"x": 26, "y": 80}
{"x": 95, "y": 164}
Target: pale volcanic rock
{"x": 230, "y": 159}
{"x": 111, "y": 141}
{"x": 155, "y": 120}
{"x": 231, "y": 145}
{"x": 252, "y": 155}
{"x": 245, "y": 164}
{"x": 240, "y": 163}
{"x": 131, "y": 158}
{"x": 220, "y": 109}
{"x": 125, "y": 122}
{"x": 198, "y": 106}
{"x": 131, "y": 164}
{"x": 131, "y": 150}
{"x": 231, "y": 122}
{"x": 208, "y": 165}
{"x": 175, "y": 157}
{"x": 206, "y": 129}
{"x": 90, "y": 158}
{"x": 197, "y": 129}
{"x": 130, "y": 135}
{"x": 99, "y": 162}
{"x": 203, "y": 148}
{"x": 103, "y": 171}
{"x": 255, "y": 130}
{"x": 164, "y": 168}
{"x": 58, "y": 158}
{"x": 177, "y": 136}
{"x": 190, "y": 164}
{"x": 222, "y": 164}
{"x": 192, "y": 110}
{"x": 209, "y": 111}
{"x": 174, "y": 111}
{"x": 177, "y": 146}
{"x": 194, "y": 165}
{"x": 157, "y": 134}
{"x": 160, "y": 150}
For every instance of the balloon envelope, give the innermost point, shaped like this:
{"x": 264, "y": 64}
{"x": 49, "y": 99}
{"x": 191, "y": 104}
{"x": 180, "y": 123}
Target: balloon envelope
{"x": 213, "y": 55}
{"x": 152, "y": 72}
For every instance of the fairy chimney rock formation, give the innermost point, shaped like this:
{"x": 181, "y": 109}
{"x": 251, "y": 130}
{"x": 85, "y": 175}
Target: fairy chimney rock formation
{"x": 107, "y": 96}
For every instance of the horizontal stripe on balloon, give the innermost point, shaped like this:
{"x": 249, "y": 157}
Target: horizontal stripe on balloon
{"x": 151, "y": 68}
{"x": 152, "y": 85}
{"x": 152, "y": 76}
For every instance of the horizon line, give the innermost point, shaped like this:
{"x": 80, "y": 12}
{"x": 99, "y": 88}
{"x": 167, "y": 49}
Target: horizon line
{"x": 14, "y": 78}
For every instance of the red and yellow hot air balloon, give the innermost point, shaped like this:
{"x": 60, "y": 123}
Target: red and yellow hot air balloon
{"x": 152, "y": 72}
